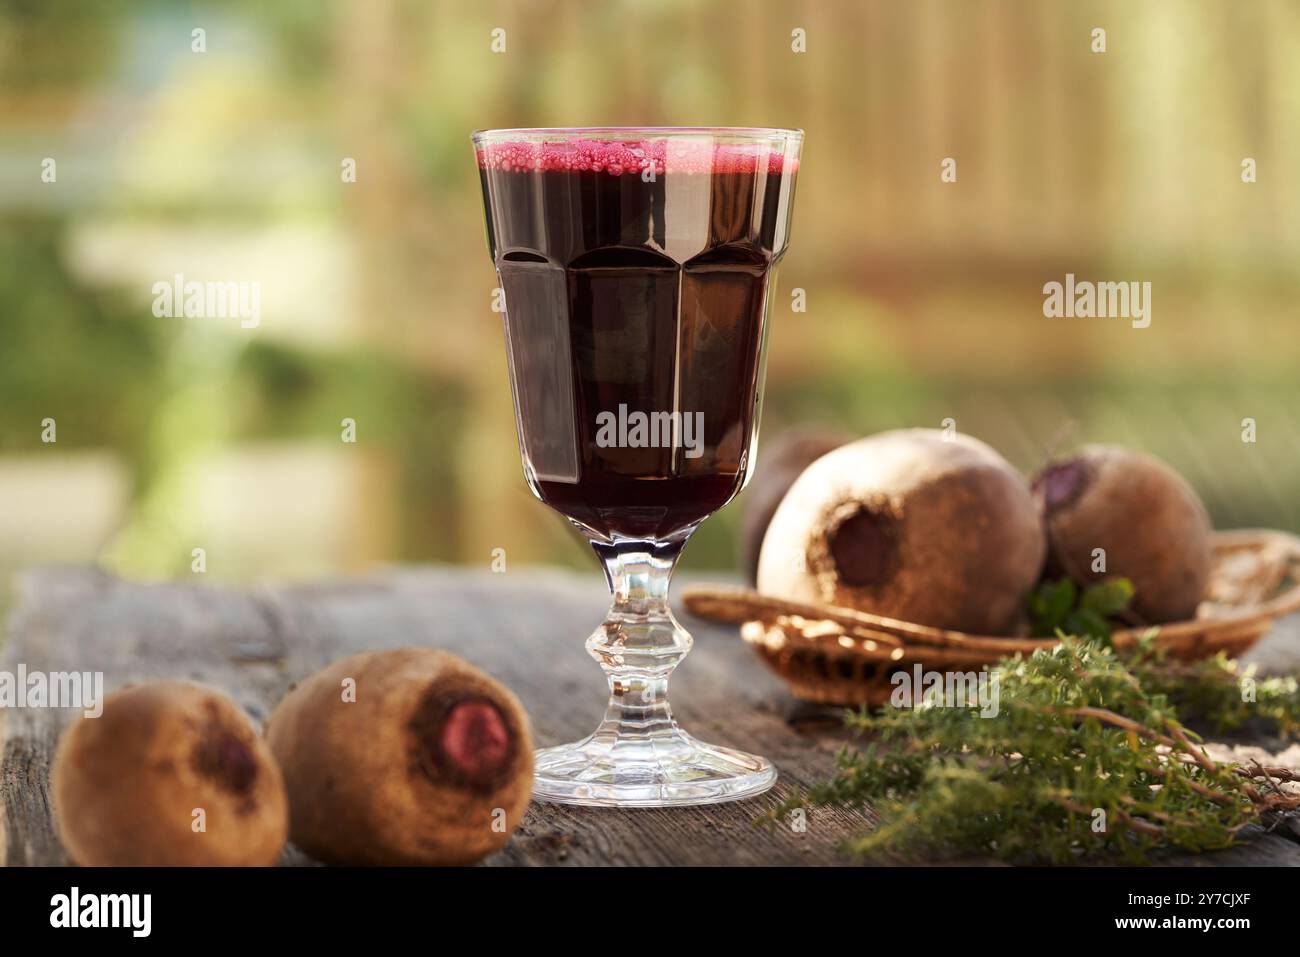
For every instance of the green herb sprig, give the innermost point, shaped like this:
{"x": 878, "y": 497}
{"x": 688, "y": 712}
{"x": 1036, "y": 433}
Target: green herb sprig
{"x": 1219, "y": 691}
{"x": 1080, "y": 759}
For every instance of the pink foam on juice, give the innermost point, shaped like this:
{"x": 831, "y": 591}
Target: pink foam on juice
{"x": 632, "y": 157}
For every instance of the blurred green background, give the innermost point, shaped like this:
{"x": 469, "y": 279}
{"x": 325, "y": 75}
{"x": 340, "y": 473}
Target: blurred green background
{"x": 924, "y": 299}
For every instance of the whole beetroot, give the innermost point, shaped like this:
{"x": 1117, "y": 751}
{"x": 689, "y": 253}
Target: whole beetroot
{"x": 1112, "y": 512}
{"x": 913, "y": 524}
{"x": 171, "y": 774}
{"x": 407, "y": 756}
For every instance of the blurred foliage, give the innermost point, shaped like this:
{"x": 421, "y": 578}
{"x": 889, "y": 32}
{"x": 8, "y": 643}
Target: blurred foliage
{"x": 924, "y": 299}
{"x": 290, "y": 393}
{"x": 70, "y": 353}
{"x": 36, "y": 37}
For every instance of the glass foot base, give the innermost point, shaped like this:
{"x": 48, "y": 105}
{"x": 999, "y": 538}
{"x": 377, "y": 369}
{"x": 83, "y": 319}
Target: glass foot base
{"x": 668, "y": 771}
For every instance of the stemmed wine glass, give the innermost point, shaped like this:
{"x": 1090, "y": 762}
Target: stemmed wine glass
{"x": 637, "y": 266}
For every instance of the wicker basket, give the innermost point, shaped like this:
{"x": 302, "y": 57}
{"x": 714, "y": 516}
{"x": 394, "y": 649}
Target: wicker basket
{"x": 840, "y": 656}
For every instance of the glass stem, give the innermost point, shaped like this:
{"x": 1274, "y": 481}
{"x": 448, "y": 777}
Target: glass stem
{"x": 640, "y": 642}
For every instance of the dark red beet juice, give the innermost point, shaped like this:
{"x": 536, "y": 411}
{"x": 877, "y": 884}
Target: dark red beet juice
{"x": 636, "y": 278}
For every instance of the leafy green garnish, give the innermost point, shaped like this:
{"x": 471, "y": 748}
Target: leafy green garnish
{"x": 1219, "y": 691}
{"x": 1079, "y": 758}
{"x": 1059, "y": 607}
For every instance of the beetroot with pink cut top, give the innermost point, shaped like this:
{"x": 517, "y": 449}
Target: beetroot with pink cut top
{"x": 1111, "y": 512}
{"x": 408, "y": 756}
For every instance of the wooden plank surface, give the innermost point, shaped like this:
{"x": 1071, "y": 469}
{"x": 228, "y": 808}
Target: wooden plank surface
{"x": 526, "y": 627}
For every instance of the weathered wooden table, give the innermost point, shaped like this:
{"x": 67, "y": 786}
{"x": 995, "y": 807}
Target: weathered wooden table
{"x": 526, "y": 627}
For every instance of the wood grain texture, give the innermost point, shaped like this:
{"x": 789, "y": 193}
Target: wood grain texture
{"x": 525, "y": 627}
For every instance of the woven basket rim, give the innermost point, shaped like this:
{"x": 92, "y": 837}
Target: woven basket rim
{"x": 736, "y": 604}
